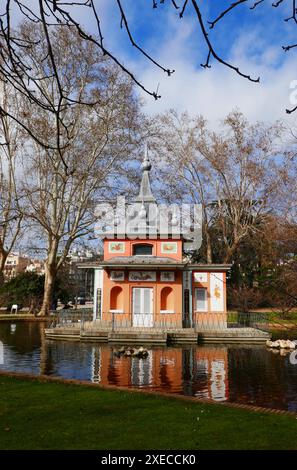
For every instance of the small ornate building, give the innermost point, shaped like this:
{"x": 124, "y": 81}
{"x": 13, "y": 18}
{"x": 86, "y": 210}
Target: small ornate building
{"x": 144, "y": 279}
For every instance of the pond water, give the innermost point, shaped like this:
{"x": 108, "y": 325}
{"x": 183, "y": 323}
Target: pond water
{"x": 245, "y": 374}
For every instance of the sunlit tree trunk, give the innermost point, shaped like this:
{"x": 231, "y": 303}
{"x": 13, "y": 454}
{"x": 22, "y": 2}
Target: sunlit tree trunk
{"x": 208, "y": 248}
{"x": 3, "y": 258}
{"x": 49, "y": 281}
{"x": 85, "y": 146}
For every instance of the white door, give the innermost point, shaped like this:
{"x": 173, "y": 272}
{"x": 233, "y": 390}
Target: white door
{"x": 143, "y": 306}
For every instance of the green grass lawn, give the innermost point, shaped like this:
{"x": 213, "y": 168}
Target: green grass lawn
{"x": 39, "y": 415}
{"x": 267, "y": 317}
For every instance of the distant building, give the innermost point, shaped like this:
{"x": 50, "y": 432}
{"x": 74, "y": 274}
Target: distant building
{"x": 82, "y": 279}
{"x": 15, "y": 264}
{"x": 36, "y": 266}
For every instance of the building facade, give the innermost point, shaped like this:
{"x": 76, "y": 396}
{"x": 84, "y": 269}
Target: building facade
{"x": 15, "y": 264}
{"x": 145, "y": 280}
{"x": 82, "y": 280}
{"x": 36, "y": 266}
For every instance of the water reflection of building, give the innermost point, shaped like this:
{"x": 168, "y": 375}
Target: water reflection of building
{"x": 197, "y": 371}
{"x": 212, "y": 364}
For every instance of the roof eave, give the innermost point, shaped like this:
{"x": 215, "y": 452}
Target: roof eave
{"x": 142, "y": 266}
{"x": 208, "y": 267}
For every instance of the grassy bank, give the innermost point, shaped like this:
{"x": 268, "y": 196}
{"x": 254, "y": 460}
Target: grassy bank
{"x": 38, "y": 415}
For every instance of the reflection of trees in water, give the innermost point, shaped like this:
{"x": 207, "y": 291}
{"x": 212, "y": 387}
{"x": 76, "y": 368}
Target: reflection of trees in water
{"x": 259, "y": 376}
{"x": 187, "y": 370}
{"x": 113, "y": 376}
{"x": 164, "y": 379}
{"x": 66, "y": 359}
{"x": 47, "y": 361}
{"x": 25, "y": 339}
{"x": 255, "y": 375}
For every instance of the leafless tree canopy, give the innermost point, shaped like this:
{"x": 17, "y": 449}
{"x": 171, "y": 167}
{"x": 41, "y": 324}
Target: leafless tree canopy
{"x": 231, "y": 173}
{"x": 70, "y": 155}
{"x": 16, "y": 70}
{"x": 10, "y": 214}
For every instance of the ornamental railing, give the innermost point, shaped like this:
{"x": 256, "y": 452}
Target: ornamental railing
{"x": 72, "y": 317}
{"x": 113, "y": 321}
{"x": 257, "y": 320}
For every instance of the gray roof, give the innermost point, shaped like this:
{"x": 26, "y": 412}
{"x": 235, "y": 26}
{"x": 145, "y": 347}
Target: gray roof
{"x": 149, "y": 261}
{"x": 140, "y": 260}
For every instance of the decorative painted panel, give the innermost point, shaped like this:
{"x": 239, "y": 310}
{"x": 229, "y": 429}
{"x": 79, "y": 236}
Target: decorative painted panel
{"x": 200, "y": 277}
{"x": 117, "y": 275}
{"x": 116, "y": 247}
{"x": 168, "y": 248}
{"x": 167, "y": 276}
{"x": 144, "y": 276}
{"x": 217, "y": 292}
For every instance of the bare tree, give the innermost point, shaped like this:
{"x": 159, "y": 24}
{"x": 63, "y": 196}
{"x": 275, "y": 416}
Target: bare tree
{"x": 10, "y": 213}
{"x": 282, "y": 280}
{"x": 63, "y": 184}
{"x": 15, "y": 69}
{"x": 231, "y": 173}
{"x": 245, "y": 177}
{"x": 181, "y": 142}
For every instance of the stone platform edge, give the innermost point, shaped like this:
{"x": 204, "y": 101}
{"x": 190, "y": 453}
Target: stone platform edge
{"x": 151, "y": 336}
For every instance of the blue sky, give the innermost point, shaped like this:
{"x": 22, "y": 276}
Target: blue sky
{"x": 251, "y": 39}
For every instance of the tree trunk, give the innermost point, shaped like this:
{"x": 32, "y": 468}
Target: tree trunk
{"x": 208, "y": 248}
{"x": 230, "y": 250}
{"x": 50, "y": 277}
{"x": 3, "y": 257}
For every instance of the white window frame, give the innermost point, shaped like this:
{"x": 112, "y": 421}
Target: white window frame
{"x": 205, "y": 309}
{"x": 141, "y": 318}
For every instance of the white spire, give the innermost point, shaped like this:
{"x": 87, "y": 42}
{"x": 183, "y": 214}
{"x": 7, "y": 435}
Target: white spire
{"x": 145, "y": 193}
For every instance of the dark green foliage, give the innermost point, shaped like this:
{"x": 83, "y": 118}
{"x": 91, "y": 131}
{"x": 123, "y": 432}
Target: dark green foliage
{"x": 25, "y": 289}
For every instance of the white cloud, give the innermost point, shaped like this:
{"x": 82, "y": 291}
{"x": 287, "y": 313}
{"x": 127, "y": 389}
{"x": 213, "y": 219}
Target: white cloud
{"x": 215, "y": 92}
{"x": 212, "y": 92}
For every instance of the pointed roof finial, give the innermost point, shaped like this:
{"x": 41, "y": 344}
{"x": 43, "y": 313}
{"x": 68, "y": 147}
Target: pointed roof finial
{"x": 145, "y": 193}
{"x": 146, "y": 164}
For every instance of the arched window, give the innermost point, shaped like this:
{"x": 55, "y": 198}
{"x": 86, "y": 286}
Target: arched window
{"x": 116, "y": 298}
{"x": 142, "y": 249}
{"x": 167, "y": 300}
